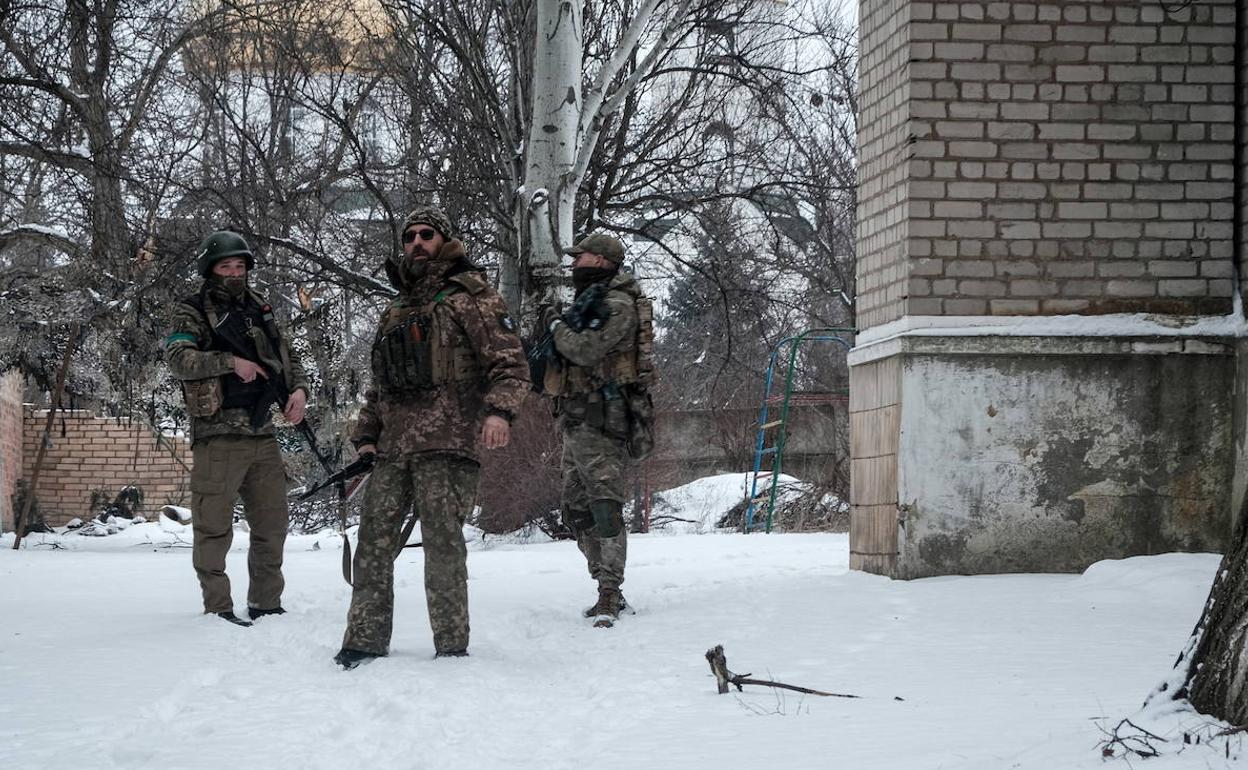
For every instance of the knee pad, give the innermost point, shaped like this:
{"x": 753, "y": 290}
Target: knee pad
{"x": 608, "y": 517}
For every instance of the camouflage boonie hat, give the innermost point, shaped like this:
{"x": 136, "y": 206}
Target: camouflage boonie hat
{"x": 604, "y": 245}
{"x": 432, "y": 216}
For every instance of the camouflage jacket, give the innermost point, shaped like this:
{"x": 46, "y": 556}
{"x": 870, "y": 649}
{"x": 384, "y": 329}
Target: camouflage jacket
{"x": 467, "y": 314}
{"x": 592, "y": 352}
{"x": 192, "y": 356}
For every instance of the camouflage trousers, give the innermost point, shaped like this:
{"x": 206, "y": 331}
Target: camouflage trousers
{"x": 441, "y": 490}
{"x": 593, "y": 465}
{"x": 228, "y": 467}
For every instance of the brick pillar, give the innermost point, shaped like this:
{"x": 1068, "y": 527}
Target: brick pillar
{"x": 10, "y": 445}
{"x": 1034, "y": 176}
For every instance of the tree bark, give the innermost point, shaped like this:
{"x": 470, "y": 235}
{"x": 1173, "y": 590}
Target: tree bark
{"x": 556, "y": 115}
{"x": 19, "y": 524}
{"x": 1216, "y": 654}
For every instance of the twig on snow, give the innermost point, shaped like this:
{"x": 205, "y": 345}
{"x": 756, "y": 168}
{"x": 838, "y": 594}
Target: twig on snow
{"x": 724, "y": 677}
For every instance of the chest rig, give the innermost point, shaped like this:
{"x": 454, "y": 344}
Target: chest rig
{"x": 631, "y": 362}
{"x": 249, "y": 330}
{"x": 414, "y": 352}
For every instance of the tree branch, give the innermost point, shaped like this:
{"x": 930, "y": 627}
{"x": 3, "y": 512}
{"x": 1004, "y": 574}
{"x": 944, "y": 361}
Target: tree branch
{"x": 724, "y": 677}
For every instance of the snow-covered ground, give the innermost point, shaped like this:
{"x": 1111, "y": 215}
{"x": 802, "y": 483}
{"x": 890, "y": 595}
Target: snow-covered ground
{"x": 105, "y": 661}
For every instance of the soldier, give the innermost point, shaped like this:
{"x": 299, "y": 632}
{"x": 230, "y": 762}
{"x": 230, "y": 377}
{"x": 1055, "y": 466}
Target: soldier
{"x": 234, "y": 364}
{"x": 448, "y": 371}
{"x": 603, "y": 409}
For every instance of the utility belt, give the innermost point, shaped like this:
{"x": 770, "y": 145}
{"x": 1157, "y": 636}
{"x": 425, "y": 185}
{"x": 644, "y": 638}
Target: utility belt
{"x": 616, "y": 369}
{"x": 410, "y": 359}
{"x": 604, "y": 409}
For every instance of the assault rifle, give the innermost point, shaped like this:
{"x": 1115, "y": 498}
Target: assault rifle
{"x": 360, "y": 467}
{"x": 584, "y": 312}
{"x": 277, "y": 391}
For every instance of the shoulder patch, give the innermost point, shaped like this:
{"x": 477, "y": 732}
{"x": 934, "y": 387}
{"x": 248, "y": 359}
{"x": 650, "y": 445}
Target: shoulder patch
{"x": 507, "y": 322}
{"x": 471, "y": 280}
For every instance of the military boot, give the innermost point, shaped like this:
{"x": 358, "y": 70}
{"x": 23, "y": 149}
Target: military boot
{"x": 349, "y": 659}
{"x": 255, "y": 612}
{"x": 624, "y": 609}
{"x": 236, "y": 620}
{"x": 607, "y": 610}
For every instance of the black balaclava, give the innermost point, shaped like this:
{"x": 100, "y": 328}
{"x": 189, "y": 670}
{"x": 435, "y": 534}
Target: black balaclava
{"x": 584, "y": 277}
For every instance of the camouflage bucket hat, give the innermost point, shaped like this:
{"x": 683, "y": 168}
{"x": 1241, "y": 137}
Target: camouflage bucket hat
{"x": 607, "y": 246}
{"x": 432, "y": 216}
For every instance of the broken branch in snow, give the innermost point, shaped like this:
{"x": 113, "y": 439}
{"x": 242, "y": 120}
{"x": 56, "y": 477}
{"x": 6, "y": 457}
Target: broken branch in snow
{"x": 1138, "y": 743}
{"x": 724, "y": 677}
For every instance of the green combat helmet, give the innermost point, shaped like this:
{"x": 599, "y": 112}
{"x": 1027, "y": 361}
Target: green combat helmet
{"x": 219, "y": 246}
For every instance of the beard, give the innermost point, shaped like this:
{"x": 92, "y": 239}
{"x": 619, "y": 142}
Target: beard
{"x": 414, "y": 270}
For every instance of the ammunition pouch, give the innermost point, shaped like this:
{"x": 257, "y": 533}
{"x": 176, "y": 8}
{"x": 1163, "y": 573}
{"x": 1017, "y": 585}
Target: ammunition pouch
{"x": 402, "y": 361}
{"x": 617, "y": 368}
{"x": 203, "y": 397}
{"x": 640, "y": 422}
{"x": 605, "y": 410}
{"x": 409, "y": 360}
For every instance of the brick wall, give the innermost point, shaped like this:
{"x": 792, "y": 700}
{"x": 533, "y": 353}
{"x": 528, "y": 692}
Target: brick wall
{"x": 1072, "y": 157}
{"x": 10, "y": 444}
{"x": 1242, "y": 119}
{"x": 882, "y": 152}
{"x": 875, "y": 439}
{"x": 90, "y": 453}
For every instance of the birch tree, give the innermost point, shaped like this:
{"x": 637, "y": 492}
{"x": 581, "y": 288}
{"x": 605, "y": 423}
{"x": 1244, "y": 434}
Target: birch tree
{"x": 565, "y": 126}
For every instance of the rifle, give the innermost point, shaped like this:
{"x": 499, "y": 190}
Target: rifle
{"x": 360, "y": 467}
{"x": 583, "y": 313}
{"x": 276, "y": 391}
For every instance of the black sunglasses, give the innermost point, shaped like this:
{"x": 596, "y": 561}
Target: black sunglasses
{"x": 425, "y": 234}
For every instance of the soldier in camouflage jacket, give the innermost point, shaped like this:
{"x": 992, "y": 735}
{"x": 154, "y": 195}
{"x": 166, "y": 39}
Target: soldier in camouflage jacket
{"x": 225, "y": 349}
{"x": 449, "y": 375}
{"x": 591, "y": 394}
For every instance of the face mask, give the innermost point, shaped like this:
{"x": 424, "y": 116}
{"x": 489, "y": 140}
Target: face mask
{"x": 235, "y": 286}
{"x": 584, "y": 277}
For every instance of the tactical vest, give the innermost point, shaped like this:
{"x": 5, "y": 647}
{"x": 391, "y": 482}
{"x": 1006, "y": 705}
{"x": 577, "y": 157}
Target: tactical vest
{"x": 243, "y": 326}
{"x": 631, "y": 365}
{"x": 410, "y": 355}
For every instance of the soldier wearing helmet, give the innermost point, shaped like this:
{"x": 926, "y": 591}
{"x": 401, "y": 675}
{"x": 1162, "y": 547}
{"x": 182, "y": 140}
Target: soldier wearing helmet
{"x": 233, "y": 363}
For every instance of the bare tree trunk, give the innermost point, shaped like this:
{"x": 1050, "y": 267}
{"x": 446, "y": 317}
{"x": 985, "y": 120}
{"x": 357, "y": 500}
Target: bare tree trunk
{"x": 552, "y": 150}
{"x": 1217, "y": 652}
{"x": 58, "y": 392}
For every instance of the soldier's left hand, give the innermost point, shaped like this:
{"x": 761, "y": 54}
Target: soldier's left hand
{"x": 295, "y": 406}
{"x": 496, "y": 432}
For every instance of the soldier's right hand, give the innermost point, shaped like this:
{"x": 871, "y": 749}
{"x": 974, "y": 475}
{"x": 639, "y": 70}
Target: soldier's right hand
{"x": 366, "y": 449}
{"x": 247, "y": 370}
{"x": 549, "y": 315}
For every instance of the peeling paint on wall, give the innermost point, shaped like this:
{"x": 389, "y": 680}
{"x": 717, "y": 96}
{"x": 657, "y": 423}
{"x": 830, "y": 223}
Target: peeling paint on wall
{"x": 1049, "y": 462}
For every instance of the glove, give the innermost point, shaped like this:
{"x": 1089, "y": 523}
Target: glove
{"x": 549, "y": 315}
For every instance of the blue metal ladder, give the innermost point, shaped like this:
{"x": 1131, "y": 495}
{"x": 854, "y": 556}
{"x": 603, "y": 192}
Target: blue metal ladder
{"x": 776, "y": 450}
